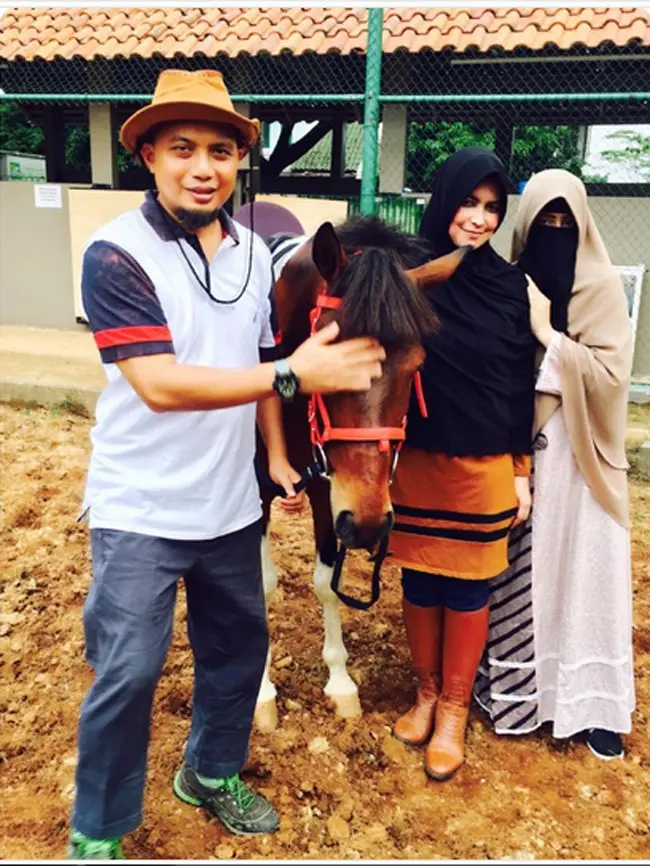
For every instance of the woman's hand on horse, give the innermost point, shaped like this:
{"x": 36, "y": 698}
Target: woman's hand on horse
{"x": 282, "y": 472}
{"x": 524, "y": 499}
{"x": 348, "y": 366}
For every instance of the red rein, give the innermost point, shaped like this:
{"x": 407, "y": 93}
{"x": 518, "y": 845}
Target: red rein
{"x": 384, "y": 436}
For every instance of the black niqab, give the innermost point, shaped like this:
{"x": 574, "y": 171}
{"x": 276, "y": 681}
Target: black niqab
{"x": 549, "y": 259}
{"x": 478, "y": 375}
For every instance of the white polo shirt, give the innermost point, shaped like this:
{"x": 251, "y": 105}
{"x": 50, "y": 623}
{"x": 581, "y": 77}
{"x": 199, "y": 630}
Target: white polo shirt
{"x": 180, "y": 475}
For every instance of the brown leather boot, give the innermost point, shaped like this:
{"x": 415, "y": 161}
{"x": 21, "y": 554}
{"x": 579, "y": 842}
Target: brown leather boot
{"x": 465, "y": 635}
{"x": 424, "y": 630}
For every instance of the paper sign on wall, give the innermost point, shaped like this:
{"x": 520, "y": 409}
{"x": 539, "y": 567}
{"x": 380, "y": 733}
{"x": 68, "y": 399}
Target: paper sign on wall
{"x": 47, "y": 195}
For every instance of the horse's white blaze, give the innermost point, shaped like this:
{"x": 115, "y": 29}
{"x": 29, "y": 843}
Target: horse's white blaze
{"x": 266, "y": 715}
{"x": 340, "y": 687}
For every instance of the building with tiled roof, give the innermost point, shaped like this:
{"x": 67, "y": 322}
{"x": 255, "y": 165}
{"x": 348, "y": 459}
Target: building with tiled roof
{"x": 506, "y": 67}
{"x": 109, "y": 34}
{"x": 533, "y": 83}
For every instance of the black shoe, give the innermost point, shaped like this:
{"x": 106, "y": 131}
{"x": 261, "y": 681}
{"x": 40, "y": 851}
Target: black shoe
{"x": 605, "y": 745}
{"x": 239, "y": 808}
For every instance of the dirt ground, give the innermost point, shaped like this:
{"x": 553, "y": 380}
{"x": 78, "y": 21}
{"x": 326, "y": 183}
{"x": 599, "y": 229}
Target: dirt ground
{"x": 345, "y": 789}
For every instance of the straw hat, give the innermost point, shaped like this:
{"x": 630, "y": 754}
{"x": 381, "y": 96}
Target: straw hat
{"x": 185, "y": 96}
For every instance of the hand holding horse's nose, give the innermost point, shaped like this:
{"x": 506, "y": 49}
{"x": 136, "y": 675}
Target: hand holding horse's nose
{"x": 348, "y": 366}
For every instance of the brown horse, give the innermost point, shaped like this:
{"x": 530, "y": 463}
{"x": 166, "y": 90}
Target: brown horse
{"x": 370, "y": 277}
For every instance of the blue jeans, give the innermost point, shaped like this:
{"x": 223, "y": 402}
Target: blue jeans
{"x": 128, "y": 618}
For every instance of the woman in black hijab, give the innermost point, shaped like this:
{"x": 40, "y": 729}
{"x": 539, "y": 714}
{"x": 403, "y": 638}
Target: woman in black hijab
{"x": 462, "y": 482}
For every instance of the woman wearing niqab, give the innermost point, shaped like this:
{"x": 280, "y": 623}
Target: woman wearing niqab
{"x": 567, "y": 658}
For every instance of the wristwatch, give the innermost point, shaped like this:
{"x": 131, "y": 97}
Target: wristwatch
{"x": 286, "y": 383}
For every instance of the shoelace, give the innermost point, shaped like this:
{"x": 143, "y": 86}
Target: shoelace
{"x": 241, "y": 792}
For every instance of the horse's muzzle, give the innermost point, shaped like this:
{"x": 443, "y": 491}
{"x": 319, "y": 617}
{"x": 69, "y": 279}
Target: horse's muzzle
{"x": 364, "y": 536}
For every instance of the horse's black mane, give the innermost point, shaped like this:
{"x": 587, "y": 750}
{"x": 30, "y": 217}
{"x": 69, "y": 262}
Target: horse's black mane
{"x": 378, "y": 298}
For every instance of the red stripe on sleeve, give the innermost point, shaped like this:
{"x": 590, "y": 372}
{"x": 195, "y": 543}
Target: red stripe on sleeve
{"x": 136, "y": 334}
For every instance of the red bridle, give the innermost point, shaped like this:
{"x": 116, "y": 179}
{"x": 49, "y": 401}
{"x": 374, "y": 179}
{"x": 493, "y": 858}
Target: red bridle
{"x": 325, "y": 432}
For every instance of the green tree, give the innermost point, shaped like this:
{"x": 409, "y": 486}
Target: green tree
{"x": 77, "y": 150}
{"x": 17, "y": 133}
{"x": 534, "y": 149}
{"x": 77, "y": 147}
{"x": 633, "y": 155}
{"x": 430, "y": 144}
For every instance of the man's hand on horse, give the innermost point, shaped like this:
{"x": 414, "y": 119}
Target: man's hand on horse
{"x": 282, "y": 472}
{"x": 347, "y": 366}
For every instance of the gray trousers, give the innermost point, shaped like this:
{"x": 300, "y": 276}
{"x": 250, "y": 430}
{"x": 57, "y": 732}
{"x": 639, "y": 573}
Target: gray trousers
{"x": 128, "y": 619}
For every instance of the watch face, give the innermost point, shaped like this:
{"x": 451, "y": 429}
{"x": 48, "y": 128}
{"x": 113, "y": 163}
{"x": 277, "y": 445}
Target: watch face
{"x": 286, "y": 387}
{"x": 286, "y": 382}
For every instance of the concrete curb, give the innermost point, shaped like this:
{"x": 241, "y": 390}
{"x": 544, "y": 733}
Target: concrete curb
{"x": 637, "y": 439}
{"x": 47, "y": 394}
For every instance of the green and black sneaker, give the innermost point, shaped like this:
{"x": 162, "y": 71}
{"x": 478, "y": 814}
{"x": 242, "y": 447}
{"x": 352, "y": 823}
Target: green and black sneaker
{"x": 80, "y": 847}
{"x": 239, "y": 808}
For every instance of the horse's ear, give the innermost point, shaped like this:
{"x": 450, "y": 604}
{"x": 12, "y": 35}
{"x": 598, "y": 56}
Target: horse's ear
{"x": 437, "y": 271}
{"x": 327, "y": 253}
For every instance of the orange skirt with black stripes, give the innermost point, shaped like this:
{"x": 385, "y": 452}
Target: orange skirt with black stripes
{"x": 453, "y": 514}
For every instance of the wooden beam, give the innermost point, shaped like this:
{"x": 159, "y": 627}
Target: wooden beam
{"x": 337, "y": 169}
{"x": 286, "y": 152}
{"x": 54, "y": 128}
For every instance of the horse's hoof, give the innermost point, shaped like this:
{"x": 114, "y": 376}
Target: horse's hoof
{"x": 347, "y": 706}
{"x": 266, "y": 717}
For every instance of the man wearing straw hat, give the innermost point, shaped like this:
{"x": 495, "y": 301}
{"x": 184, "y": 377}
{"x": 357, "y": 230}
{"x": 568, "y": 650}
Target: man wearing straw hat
{"x": 177, "y": 296}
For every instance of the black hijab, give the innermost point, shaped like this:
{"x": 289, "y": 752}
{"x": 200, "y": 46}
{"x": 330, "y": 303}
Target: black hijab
{"x": 549, "y": 258}
{"x": 478, "y": 375}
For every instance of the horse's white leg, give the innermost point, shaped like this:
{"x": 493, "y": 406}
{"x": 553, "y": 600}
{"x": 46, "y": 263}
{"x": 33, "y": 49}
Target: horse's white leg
{"x": 340, "y": 688}
{"x": 266, "y": 713}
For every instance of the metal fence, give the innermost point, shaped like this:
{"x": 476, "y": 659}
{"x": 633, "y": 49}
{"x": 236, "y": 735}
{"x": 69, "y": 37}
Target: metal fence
{"x": 395, "y": 117}
{"x": 587, "y": 113}
{"x": 590, "y": 116}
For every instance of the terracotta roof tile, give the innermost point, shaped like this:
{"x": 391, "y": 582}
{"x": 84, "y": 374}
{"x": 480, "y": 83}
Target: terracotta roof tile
{"x": 200, "y": 28}
{"x": 417, "y": 43}
{"x": 479, "y": 36}
{"x": 273, "y": 43}
{"x": 638, "y": 30}
{"x": 129, "y": 46}
{"x": 392, "y": 44}
{"x": 34, "y": 33}
{"x": 173, "y": 18}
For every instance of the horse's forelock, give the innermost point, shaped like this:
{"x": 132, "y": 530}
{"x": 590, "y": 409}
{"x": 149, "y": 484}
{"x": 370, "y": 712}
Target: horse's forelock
{"x": 380, "y": 301}
{"x": 364, "y": 232}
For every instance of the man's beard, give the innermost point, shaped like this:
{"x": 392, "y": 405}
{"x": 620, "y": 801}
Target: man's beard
{"x": 193, "y": 220}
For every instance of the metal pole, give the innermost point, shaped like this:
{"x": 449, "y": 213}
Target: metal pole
{"x": 146, "y": 97}
{"x": 612, "y": 96}
{"x": 518, "y": 97}
{"x": 371, "y": 111}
